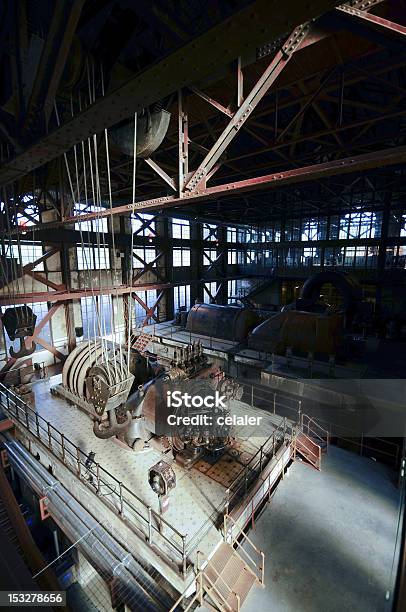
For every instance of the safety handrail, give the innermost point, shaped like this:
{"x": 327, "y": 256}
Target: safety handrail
{"x": 234, "y": 540}
{"x": 306, "y": 421}
{"x": 43, "y": 430}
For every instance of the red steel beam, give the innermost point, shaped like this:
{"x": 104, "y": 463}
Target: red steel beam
{"x": 76, "y": 294}
{"x": 356, "y": 163}
{"x": 378, "y": 23}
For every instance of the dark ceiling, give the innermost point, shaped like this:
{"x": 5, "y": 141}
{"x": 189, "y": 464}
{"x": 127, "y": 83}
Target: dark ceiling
{"x": 342, "y": 95}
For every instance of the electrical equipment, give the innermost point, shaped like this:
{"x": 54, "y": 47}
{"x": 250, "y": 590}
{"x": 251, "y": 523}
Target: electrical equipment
{"x": 162, "y": 478}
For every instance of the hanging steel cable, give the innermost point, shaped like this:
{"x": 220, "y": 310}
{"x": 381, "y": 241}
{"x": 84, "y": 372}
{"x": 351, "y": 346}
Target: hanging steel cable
{"x": 130, "y": 306}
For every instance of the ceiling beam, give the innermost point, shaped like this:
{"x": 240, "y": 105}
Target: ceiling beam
{"x": 356, "y": 163}
{"x": 254, "y": 25}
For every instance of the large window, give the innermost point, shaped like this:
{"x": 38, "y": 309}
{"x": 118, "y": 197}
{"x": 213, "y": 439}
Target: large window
{"x": 209, "y": 232}
{"x": 231, "y": 291}
{"x": 310, "y": 230}
{"x": 148, "y": 298}
{"x": 231, "y": 234}
{"x": 209, "y": 257}
{"x": 146, "y": 254}
{"x": 30, "y": 215}
{"x": 92, "y": 225}
{"x": 358, "y": 225}
{"x": 93, "y": 258}
{"x": 97, "y": 316}
{"x": 180, "y": 229}
{"x": 27, "y": 253}
{"x": 181, "y": 257}
{"x": 232, "y": 257}
{"x": 209, "y": 292}
{"x": 143, "y": 224}
{"x": 181, "y": 297}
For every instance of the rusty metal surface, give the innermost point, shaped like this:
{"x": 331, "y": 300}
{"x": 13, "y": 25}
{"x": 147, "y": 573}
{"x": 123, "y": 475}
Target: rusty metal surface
{"x": 227, "y": 322}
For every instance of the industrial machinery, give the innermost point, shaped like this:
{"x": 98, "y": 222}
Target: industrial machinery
{"x": 226, "y": 322}
{"x": 97, "y": 378}
{"x": 309, "y": 325}
{"x": 300, "y": 331}
{"x": 125, "y": 395}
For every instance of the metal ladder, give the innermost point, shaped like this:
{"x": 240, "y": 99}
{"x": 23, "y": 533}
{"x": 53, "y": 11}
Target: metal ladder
{"x": 224, "y": 581}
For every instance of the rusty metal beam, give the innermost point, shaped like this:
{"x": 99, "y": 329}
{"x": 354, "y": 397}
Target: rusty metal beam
{"x": 51, "y": 349}
{"x": 223, "y": 109}
{"x": 44, "y": 321}
{"x": 269, "y": 76}
{"x": 43, "y": 279}
{"x": 161, "y": 172}
{"x": 195, "y": 60}
{"x": 76, "y": 294}
{"x": 377, "y": 23}
{"x": 356, "y": 163}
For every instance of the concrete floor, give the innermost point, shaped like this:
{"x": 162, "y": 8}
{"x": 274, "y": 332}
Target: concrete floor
{"x": 328, "y": 538}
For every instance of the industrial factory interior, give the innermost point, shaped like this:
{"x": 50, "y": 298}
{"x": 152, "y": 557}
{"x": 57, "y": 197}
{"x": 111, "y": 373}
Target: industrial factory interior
{"x": 203, "y": 305}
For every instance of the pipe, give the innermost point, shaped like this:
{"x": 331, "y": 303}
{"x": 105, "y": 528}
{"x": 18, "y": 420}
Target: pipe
{"x": 120, "y": 563}
{"x": 114, "y": 428}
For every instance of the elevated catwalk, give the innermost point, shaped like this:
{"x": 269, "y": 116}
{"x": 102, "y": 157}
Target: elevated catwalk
{"x": 238, "y": 482}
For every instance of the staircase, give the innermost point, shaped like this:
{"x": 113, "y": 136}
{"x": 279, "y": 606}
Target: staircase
{"x": 226, "y": 579}
{"x": 224, "y": 582}
{"x": 309, "y": 450}
{"x": 311, "y": 441}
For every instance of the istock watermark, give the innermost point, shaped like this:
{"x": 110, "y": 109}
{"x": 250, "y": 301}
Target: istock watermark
{"x": 210, "y": 410}
{"x": 176, "y": 399}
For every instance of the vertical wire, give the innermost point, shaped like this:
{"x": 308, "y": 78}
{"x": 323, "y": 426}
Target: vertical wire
{"x": 88, "y": 273}
{"x": 99, "y": 324}
{"x": 114, "y": 268}
{"x": 95, "y": 194}
{"x": 130, "y": 305}
{"x": 87, "y": 266}
{"x": 98, "y": 196}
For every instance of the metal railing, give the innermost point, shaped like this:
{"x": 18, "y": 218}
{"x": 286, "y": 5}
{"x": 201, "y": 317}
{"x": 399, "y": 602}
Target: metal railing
{"x": 241, "y": 484}
{"x": 313, "y": 429}
{"x": 138, "y": 516}
{"x": 256, "y": 567}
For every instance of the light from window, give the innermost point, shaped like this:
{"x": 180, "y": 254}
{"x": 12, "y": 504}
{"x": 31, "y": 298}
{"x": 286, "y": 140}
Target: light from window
{"x": 181, "y": 297}
{"x": 209, "y": 232}
{"x": 231, "y": 234}
{"x": 209, "y": 292}
{"x": 147, "y": 254}
{"x": 209, "y": 257}
{"x": 180, "y": 229}
{"x": 91, "y": 225}
{"x": 181, "y": 257}
{"x": 93, "y": 258}
{"x": 142, "y": 224}
{"x": 29, "y": 253}
{"x": 231, "y": 257}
